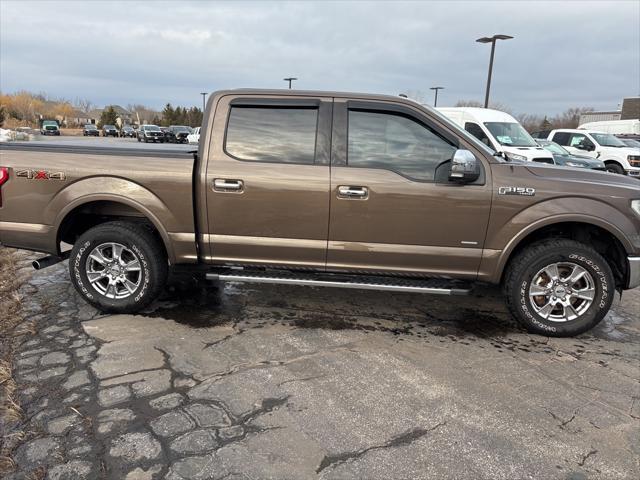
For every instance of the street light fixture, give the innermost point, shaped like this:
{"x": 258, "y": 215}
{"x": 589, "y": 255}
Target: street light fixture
{"x": 492, "y": 41}
{"x": 204, "y": 101}
{"x": 290, "y": 79}
{"x": 435, "y": 101}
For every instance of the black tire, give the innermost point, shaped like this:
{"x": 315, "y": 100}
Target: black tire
{"x": 615, "y": 168}
{"x": 532, "y": 260}
{"x": 140, "y": 240}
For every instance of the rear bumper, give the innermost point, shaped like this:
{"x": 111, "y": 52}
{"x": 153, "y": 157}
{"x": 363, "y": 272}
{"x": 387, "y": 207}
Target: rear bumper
{"x": 634, "y": 272}
{"x": 28, "y": 236}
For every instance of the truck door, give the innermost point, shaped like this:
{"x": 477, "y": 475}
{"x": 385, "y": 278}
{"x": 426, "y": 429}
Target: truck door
{"x": 392, "y": 206}
{"x": 267, "y": 181}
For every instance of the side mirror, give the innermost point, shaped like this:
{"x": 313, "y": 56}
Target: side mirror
{"x": 464, "y": 167}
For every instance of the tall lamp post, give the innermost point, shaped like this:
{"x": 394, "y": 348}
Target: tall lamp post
{"x": 492, "y": 41}
{"x": 435, "y": 100}
{"x": 204, "y": 101}
{"x": 290, "y": 79}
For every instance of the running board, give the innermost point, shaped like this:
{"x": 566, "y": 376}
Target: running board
{"x": 430, "y": 286}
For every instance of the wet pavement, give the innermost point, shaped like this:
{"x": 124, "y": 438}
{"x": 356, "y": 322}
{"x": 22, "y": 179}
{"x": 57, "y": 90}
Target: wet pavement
{"x": 245, "y": 381}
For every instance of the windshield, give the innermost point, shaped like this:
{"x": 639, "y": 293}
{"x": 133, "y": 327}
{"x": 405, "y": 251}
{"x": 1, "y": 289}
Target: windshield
{"x": 50, "y": 122}
{"x": 510, "y": 134}
{"x": 180, "y": 129}
{"x": 90, "y": 127}
{"x": 461, "y": 131}
{"x": 152, "y": 128}
{"x": 631, "y": 143}
{"x": 109, "y": 126}
{"x": 553, "y": 147}
{"x": 607, "y": 140}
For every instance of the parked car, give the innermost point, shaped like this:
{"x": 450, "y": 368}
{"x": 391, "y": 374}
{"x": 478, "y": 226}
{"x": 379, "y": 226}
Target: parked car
{"x": 128, "y": 131}
{"x": 562, "y": 157}
{"x": 179, "y": 133}
{"x": 194, "y": 137}
{"x": 329, "y": 189}
{"x": 90, "y": 130}
{"x": 615, "y": 127}
{"x": 150, "y": 133}
{"x": 50, "y": 127}
{"x": 499, "y": 131}
{"x": 617, "y": 157}
{"x": 167, "y": 133}
{"x": 109, "y": 131}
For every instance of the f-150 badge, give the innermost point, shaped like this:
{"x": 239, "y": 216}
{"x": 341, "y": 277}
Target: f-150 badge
{"x": 526, "y": 191}
{"x": 40, "y": 175}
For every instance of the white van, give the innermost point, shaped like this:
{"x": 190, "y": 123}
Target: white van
{"x": 615, "y": 127}
{"x": 499, "y": 131}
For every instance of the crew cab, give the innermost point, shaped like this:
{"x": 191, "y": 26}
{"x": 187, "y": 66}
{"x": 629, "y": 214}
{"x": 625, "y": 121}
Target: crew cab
{"x": 109, "y": 131}
{"x": 617, "y": 157}
{"x": 150, "y": 133}
{"x": 327, "y": 189}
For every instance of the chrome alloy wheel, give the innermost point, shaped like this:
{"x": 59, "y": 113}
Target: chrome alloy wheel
{"x": 562, "y": 291}
{"x": 113, "y": 270}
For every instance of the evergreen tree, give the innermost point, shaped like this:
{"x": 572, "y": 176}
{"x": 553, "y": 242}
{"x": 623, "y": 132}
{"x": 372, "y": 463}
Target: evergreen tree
{"x": 168, "y": 115}
{"x": 108, "y": 117}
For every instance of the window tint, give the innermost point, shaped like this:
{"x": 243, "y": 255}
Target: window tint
{"x": 475, "y": 130}
{"x": 397, "y": 143}
{"x": 561, "y": 138}
{"x": 272, "y": 134}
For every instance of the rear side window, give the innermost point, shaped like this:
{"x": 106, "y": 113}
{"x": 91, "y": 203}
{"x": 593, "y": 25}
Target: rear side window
{"x": 475, "y": 130}
{"x": 272, "y": 134}
{"x": 395, "y": 142}
{"x": 561, "y": 138}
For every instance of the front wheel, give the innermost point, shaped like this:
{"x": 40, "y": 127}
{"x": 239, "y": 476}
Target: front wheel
{"x": 615, "y": 168}
{"x": 118, "y": 267}
{"x": 559, "y": 287}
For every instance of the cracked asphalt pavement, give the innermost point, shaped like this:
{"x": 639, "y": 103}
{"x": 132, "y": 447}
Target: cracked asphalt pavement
{"x": 241, "y": 381}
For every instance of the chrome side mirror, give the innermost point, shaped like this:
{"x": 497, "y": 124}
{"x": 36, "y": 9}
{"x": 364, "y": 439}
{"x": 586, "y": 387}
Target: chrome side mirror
{"x": 464, "y": 167}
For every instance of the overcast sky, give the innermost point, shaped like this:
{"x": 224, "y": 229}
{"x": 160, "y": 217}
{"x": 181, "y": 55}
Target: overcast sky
{"x": 565, "y": 54}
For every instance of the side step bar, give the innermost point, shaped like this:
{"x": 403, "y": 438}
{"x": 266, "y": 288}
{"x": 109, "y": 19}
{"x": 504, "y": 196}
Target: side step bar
{"x": 431, "y": 286}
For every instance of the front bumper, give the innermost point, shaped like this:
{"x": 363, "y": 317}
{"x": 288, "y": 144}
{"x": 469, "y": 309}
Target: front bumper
{"x": 634, "y": 272}
{"x": 633, "y": 172}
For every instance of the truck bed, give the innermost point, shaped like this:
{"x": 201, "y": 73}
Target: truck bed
{"x": 54, "y": 178}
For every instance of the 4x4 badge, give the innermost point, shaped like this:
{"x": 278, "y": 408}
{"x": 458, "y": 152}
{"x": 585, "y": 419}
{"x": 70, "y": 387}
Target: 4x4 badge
{"x": 526, "y": 191}
{"x": 40, "y": 175}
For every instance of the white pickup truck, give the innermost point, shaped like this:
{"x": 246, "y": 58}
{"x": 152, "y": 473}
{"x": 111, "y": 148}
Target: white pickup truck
{"x": 617, "y": 157}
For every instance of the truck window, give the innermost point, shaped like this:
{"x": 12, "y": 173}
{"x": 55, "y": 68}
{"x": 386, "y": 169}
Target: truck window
{"x": 561, "y": 138}
{"x": 272, "y": 134}
{"x": 395, "y": 142}
{"x": 475, "y": 130}
{"x": 580, "y": 140}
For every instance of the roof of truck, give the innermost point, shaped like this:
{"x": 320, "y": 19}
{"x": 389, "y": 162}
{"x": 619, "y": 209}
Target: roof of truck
{"x": 315, "y": 93}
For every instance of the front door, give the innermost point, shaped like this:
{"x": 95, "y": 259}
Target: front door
{"x": 268, "y": 181}
{"x": 392, "y": 206}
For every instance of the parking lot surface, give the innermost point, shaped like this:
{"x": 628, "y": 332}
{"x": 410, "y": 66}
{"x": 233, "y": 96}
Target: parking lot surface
{"x": 243, "y": 381}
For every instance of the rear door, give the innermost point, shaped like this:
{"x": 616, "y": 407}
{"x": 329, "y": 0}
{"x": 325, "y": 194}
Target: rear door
{"x": 268, "y": 181}
{"x": 392, "y": 206}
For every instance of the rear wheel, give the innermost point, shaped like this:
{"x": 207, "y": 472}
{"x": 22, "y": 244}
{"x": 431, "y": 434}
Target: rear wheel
{"x": 118, "y": 267}
{"x": 559, "y": 287}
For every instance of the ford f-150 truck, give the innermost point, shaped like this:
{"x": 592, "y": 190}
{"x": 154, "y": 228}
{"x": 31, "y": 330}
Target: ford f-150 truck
{"x": 328, "y": 189}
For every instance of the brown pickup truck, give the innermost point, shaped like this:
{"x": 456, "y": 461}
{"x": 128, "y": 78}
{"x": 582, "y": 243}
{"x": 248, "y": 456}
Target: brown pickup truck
{"x": 328, "y": 189}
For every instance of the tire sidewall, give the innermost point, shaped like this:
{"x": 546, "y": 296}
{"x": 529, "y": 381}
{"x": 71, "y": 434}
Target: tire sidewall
{"x": 77, "y": 265}
{"x": 604, "y": 286}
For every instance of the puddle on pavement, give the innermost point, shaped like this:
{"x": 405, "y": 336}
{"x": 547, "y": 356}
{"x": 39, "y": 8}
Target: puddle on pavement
{"x": 200, "y": 304}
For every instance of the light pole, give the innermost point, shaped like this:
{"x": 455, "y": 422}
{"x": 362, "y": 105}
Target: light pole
{"x": 435, "y": 101}
{"x": 204, "y": 101}
{"x": 492, "y": 41}
{"x": 290, "y": 79}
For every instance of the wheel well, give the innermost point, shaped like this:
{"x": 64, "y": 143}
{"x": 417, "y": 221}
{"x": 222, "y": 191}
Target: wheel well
{"x": 91, "y": 214}
{"x": 604, "y": 242}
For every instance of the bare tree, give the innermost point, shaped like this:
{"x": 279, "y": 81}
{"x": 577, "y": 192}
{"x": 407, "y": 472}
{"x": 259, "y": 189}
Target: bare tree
{"x": 84, "y": 104}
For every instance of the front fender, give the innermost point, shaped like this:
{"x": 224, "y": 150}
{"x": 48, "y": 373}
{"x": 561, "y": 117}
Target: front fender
{"x": 117, "y": 190}
{"x": 556, "y": 211}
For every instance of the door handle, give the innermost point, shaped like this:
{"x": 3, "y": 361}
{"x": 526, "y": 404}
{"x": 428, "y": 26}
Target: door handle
{"x": 346, "y": 191}
{"x": 224, "y": 185}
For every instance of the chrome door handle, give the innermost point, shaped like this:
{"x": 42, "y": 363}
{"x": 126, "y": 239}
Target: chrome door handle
{"x": 345, "y": 191}
{"x": 224, "y": 185}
